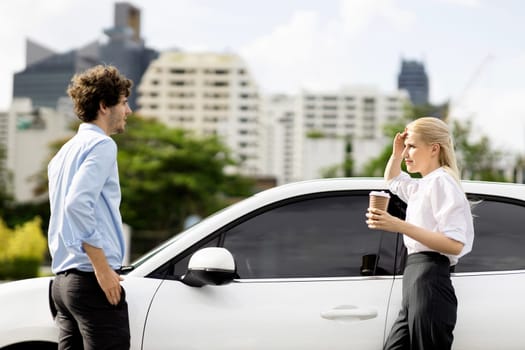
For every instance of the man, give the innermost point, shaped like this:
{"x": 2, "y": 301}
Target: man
{"x": 85, "y": 235}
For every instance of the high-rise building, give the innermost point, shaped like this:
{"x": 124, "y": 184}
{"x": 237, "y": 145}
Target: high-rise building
{"x": 413, "y": 78}
{"x": 126, "y": 49}
{"x": 209, "y": 93}
{"x": 47, "y": 73}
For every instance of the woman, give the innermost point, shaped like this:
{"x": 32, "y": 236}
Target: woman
{"x": 438, "y": 230}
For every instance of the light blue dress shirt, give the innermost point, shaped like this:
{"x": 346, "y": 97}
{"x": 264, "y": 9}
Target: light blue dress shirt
{"x": 84, "y": 195}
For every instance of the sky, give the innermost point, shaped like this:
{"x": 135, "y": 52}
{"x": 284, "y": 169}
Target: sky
{"x": 473, "y": 50}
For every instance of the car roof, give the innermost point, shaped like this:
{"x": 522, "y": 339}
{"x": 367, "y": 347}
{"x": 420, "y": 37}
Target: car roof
{"x": 503, "y": 189}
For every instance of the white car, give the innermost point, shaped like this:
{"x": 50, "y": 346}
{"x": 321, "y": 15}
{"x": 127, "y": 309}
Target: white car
{"x": 295, "y": 267}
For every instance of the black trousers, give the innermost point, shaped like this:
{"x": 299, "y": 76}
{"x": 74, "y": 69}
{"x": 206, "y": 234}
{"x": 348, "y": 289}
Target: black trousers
{"x": 85, "y": 318}
{"x": 429, "y": 307}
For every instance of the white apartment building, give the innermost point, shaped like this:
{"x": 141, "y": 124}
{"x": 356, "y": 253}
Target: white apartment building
{"x": 355, "y": 113}
{"x": 278, "y": 128}
{"x": 209, "y": 93}
{"x": 28, "y": 134}
{"x": 309, "y": 132}
{"x": 359, "y": 112}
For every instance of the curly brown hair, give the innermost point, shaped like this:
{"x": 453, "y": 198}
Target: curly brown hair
{"x": 98, "y": 84}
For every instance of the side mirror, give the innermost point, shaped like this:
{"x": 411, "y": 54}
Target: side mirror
{"x": 212, "y": 265}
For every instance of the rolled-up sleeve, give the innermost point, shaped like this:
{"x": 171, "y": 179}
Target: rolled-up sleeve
{"x": 450, "y": 209}
{"x": 403, "y": 186}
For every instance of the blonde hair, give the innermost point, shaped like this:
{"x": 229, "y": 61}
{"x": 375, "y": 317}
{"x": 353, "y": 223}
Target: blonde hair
{"x": 432, "y": 130}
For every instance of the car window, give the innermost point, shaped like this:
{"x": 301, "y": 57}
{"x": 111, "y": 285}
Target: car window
{"x": 499, "y": 239}
{"x": 323, "y": 236}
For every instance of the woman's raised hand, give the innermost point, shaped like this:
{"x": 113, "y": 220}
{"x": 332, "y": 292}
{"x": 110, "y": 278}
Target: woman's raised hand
{"x": 399, "y": 144}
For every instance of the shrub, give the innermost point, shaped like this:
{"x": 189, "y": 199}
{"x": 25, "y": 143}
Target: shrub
{"x": 22, "y": 249}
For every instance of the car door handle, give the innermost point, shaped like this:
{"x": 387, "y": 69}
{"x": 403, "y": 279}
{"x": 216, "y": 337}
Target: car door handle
{"x": 349, "y": 312}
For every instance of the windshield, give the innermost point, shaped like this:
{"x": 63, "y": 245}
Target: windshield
{"x": 170, "y": 241}
{"x": 154, "y": 251}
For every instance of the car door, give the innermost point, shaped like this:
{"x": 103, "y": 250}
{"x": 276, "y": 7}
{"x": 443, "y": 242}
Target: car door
{"x": 489, "y": 281}
{"x": 311, "y": 276}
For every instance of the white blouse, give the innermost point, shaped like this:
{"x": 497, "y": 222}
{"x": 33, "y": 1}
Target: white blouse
{"x": 437, "y": 203}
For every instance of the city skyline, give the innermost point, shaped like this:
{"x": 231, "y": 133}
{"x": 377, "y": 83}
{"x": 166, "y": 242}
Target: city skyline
{"x": 472, "y": 50}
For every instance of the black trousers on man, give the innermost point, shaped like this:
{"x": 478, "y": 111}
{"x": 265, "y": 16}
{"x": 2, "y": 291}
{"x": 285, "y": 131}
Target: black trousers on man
{"x": 429, "y": 307}
{"x": 85, "y": 318}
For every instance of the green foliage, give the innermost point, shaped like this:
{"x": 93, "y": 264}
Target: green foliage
{"x": 338, "y": 170}
{"x": 477, "y": 160}
{"x": 376, "y": 166}
{"x": 17, "y": 214}
{"x": 348, "y": 167}
{"x": 168, "y": 174}
{"x": 315, "y": 134}
{"x": 22, "y": 250}
{"x": 6, "y": 197}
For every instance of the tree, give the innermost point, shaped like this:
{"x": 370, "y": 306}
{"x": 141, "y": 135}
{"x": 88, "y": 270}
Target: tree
{"x": 6, "y": 197}
{"x": 169, "y": 174}
{"x": 22, "y": 249}
{"x": 478, "y": 161}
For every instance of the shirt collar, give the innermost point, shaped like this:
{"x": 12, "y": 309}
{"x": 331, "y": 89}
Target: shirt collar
{"x": 434, "y": 173}
{"x": 92, "y": 127}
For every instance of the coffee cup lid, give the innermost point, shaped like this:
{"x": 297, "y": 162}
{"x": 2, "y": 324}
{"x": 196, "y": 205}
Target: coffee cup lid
{"x": 380, "y": 194}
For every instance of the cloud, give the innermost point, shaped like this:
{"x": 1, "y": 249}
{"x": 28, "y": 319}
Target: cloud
{"x": 35, "y": 20}
{"x": 464, "y": 3}
{"x": 495, "y": 103}
{"x": 295, "y": 52}
{"x": 315, "y": 53}
{"x": 500, "y": 115}
{"x": 356, "y": 15}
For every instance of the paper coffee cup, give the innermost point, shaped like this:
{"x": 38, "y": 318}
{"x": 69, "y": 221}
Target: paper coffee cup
{"x": 379, "y": 200}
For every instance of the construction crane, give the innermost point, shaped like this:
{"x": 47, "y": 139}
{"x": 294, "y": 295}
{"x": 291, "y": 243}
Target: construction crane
{"x": 455, "y": 102}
